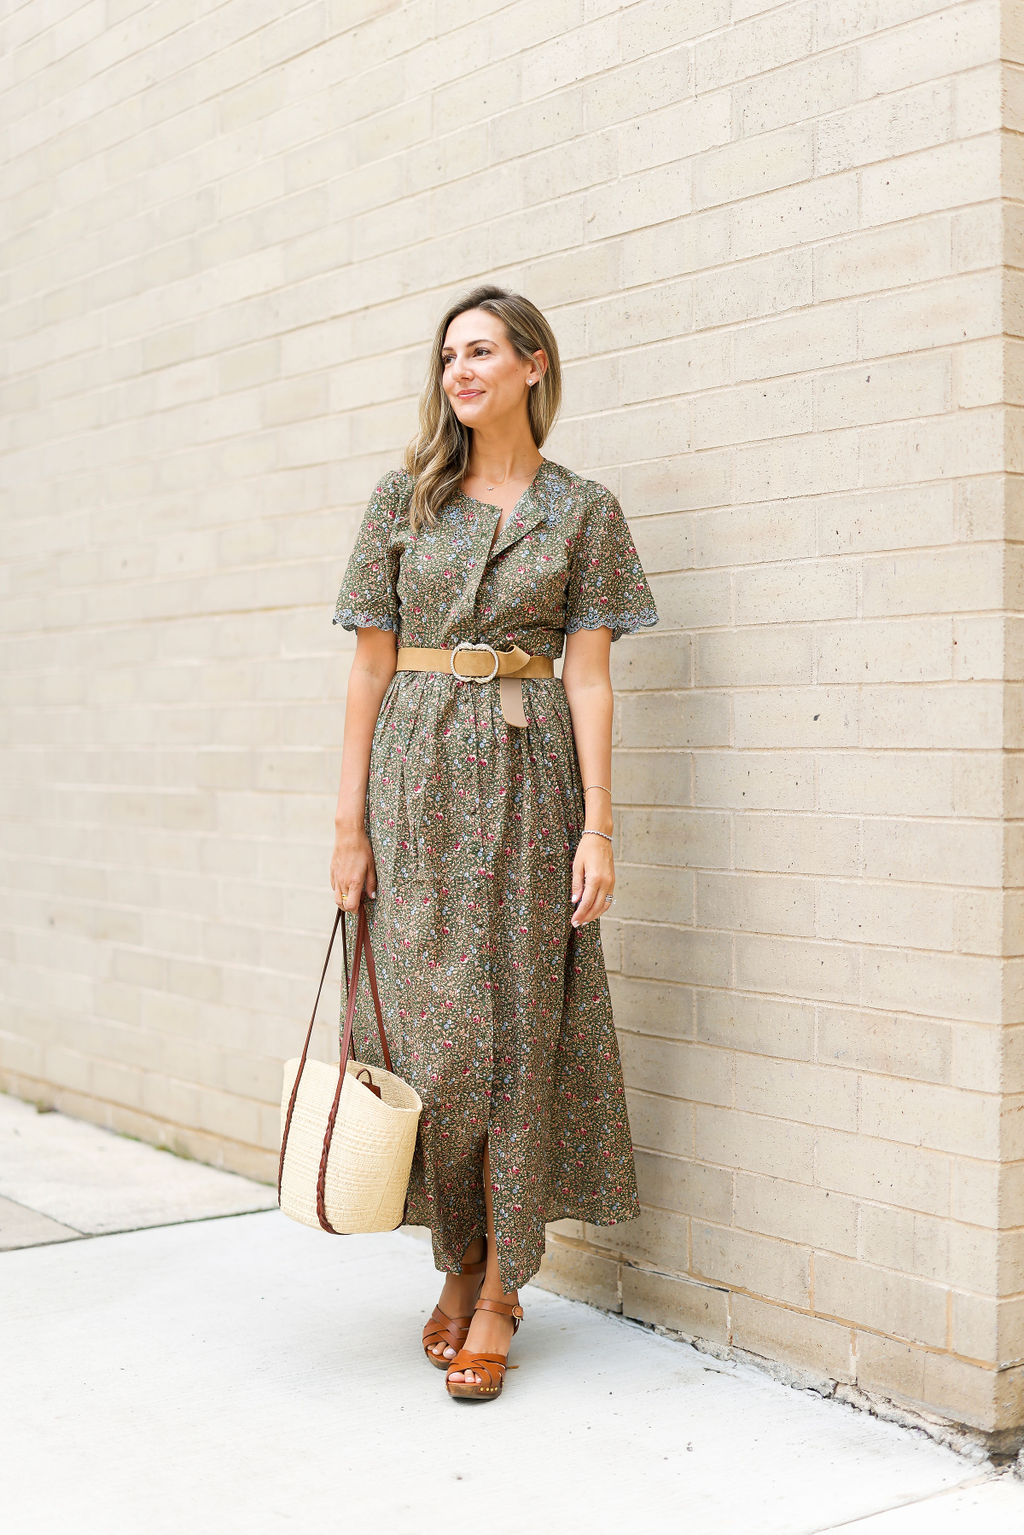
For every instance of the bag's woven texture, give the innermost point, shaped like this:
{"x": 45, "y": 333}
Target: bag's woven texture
{"x": 371, "y": 1149}
{"x": 346, "y": 1148}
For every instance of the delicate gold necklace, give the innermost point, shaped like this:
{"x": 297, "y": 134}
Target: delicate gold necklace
{"x": 498, "y": 483}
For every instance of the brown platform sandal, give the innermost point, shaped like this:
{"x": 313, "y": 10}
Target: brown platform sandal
{"x": 491, "y": 1366}
{"x": 450, "y": 1330}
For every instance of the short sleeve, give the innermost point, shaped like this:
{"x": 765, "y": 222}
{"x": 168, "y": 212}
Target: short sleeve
{"x": 607, "y": 586}
{"x": 367, "y": 598}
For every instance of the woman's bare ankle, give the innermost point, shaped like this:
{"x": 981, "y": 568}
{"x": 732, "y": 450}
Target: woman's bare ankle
{"x": 475, "y": 1251}
{"x": 491, "y": 1290}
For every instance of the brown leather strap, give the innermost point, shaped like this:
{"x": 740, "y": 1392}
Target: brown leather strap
{"x": 365, "y": 1076}
{"x": 474, "y": 663}
{"x": 362, "y": 944}
{"x": 305, "y": 1047}
{"x": 503, "y": 1308}
{"x": 351, "y": 989}
{"x": 371, "y": 975}
{"x": 491, "y": 1365}
{"x": 451, "y": 1329}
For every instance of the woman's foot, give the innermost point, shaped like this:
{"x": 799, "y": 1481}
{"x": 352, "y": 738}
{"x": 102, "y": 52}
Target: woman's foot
{"x": 489, "y": 1333}
{"x": 460, "y": 1294}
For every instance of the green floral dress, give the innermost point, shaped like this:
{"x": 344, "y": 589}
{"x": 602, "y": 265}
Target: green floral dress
{"x": 497, "y": 1009}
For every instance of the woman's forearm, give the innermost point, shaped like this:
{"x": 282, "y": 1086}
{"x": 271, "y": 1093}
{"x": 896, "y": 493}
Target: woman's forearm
{"x": 588, "y": 690}
{"x": 372, "y": 671}
{"x": 590, "y": 705}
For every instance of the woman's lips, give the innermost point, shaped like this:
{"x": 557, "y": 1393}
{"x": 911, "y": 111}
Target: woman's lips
{"x": 469, "y": 394}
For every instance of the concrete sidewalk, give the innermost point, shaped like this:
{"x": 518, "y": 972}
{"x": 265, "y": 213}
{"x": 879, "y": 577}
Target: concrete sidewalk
{"x": 235, "y": 1372}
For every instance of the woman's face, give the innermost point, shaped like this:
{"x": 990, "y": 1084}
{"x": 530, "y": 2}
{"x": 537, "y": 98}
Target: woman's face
{"x": 482, "y": 374}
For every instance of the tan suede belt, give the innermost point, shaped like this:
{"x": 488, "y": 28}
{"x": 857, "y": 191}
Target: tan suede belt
{"x": 482, "y": 663}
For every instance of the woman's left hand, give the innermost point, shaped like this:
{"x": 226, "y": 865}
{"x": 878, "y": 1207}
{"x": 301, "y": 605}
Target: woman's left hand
{"x": 593, "y": 878}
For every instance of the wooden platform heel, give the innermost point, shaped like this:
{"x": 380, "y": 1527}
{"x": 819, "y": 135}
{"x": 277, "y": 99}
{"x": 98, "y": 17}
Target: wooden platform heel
{"x": 491, "y": 1366}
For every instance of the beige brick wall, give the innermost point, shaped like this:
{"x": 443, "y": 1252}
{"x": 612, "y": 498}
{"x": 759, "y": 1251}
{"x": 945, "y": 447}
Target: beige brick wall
{"x": 781, "y": 245}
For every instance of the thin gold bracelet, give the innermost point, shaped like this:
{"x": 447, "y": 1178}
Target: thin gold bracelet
{"x": 596, "y": 786}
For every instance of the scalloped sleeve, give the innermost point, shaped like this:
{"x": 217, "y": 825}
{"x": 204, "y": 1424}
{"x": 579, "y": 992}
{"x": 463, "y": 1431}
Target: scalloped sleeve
{"x": 607, "y": 587}
{"x": 368, "y": 598}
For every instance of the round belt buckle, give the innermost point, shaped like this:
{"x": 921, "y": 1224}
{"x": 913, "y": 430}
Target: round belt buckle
{"x": 468, "y": 645}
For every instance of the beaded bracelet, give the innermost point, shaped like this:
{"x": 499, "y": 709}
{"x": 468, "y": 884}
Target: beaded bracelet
{"x": 589, "y": 831}
{"x": 596, "y": 786}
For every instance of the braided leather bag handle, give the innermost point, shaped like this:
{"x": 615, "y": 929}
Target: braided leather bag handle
{"x": 351, "y": 988}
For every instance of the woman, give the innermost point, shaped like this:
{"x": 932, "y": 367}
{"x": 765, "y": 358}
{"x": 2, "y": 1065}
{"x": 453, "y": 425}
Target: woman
{"x": 463, "y": 815}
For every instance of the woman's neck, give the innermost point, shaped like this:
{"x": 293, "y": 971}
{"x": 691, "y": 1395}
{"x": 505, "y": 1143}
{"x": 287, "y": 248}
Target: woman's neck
{"x": 497, "y": 459}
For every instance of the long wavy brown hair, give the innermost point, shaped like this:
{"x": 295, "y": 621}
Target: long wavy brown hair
{"x": 438, "y": 456}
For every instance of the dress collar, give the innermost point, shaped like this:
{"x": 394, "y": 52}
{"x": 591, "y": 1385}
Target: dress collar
{"x": 528, "y": 511}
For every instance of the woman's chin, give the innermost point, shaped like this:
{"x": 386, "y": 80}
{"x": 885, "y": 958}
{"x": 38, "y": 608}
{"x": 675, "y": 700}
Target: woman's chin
{"x": 469, "y": 413}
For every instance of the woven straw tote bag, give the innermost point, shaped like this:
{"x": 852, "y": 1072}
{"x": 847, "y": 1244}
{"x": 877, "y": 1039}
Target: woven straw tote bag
{"x": 348, "y": 1131}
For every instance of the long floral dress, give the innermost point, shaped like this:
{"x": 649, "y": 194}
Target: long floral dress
{"x": 497, "y": 1009}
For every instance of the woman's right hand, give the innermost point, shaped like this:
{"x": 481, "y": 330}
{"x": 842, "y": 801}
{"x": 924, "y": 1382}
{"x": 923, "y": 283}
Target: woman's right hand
{"x": 352, "y": 869}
